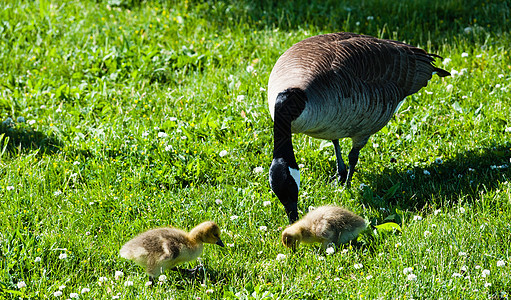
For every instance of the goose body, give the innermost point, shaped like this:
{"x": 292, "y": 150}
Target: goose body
{"x": 163, "y": 248}
{"x": 334, "y": 86}
{"x": 325, "y": 225}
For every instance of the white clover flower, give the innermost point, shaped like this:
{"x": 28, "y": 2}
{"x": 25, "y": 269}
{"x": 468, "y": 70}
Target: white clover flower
{"x": 162, "y": 278}
{"x": 31, "y": 122}
{"x": 85, "y": 290}
{"x": 428, "y": 92}
{"x": 337, "y": 279}
{"x": 449, "y": 87}
{"x": 467, "y": 30}
{"x": 463, "y": 268}
{"x": 485, "y": 273}
{"x": 417, "y": 218}
{"x": 498, "y": 85}
{"x": 457, "y": 275}
{"x": 446, "y": 61}
{"x": 436, "y": 212}
{"x": 118, "y": 274}
{"x": 397, "y": 245}
{"x": 21, "y": 284}
{"x": 37, "y": 259}
{"x": 128, "y": 283}
{"x": 330, "y": 250}
{"x": 73, "y": 295}
{"x": 487, "y": 284}
{"x": 426, "y": 172}
{"x": 501, "y": 263}
{"x": 148, "y": 283}
{"x": 168, "y": 148}
{"x": 477, "y": 267}
{"x": 115, "y": 297}
{"x": 427, "y": 233}
{"x": 462, "y": 253}
{"x": 250, "y": 69}
{"x": 61, "y": 287}
{"x": 234, "y": 217}
{"x": 62, "y": 255}
{"x": 258, "y": 170}
{"x": 184, "y": 137}
{"x": 300, "y": 166}
{"x": 464, "y": 54}
{"x": 358, "y": 266}
{"x": 357, "y": 23}
{"x": 58, "y": 110}
{"x": 210, "y": 291}
{"x": 230, "y": 245}
{"x": 57, "y": 294}
{"x": 266, "y": 203}
{"x": 172, "y": 119}
{"x": 240, "y": 98}
{"x": 479, "y": 55}
{"x": 363, "y": 186}
{"x": 461, "y": 210}
{"x": 57, "y": 193}
{"x": 369, "y": 277}
{"x": 219, "y": 201}
{"x": 263, "y": 228}
{"x": 145, "y": 134}
{"x": 369, "y": 18}
{"x": 321, "y": 258}
{"x": 102, "y": 279}
{"x": 500, "y": 76}
{"x": 10, "y": 188}
{"x": 281, "y": 257}
{"x": 412, "y": 277}
{"x": 407, "y": 270}
{"x": 223, "y": 153}
{"x": 162, "y": 134}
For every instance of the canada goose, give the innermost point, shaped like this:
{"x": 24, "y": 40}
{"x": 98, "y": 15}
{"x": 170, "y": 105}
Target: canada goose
{"x": 325, "y": 224}
{"x": 162, "y": 248}
{"x": 335, "y": 86}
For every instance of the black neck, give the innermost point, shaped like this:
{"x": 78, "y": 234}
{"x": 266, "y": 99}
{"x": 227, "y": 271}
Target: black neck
{"x": 282, "y": 142}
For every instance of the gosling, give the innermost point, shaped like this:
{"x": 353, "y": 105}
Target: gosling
{"x": 163, "y": 248}
{"x": 325, "y": 224}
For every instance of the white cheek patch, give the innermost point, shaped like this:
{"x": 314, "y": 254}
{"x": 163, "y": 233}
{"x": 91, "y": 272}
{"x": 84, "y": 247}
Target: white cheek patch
{"x": 296, "y": 176}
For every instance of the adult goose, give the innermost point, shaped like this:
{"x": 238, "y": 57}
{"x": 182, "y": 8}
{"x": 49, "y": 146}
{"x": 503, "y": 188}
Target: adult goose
{"x": 335, "y": 86}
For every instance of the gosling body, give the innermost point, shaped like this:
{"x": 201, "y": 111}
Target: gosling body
{"x": 325, "y": 225}
{"x": 163, "y": 248}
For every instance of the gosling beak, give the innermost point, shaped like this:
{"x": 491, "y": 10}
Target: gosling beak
{"x": 220, "y": 243}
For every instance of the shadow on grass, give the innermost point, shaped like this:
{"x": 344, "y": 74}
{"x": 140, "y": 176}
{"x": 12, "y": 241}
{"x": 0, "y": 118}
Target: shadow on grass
{"x": 466, "y": 176}
{"x": 21, "y": 137}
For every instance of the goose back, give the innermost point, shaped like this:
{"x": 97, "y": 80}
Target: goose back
{"x": 353, "y": 83}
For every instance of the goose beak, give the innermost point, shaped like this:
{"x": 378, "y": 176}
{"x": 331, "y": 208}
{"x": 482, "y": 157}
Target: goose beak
{"x": 220, "y": 243}
{"x": 292, "y": 212}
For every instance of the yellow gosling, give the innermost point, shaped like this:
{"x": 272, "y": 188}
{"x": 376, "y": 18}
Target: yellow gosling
{"x": 325, "y": 224}
{"x": 163, "y": 248}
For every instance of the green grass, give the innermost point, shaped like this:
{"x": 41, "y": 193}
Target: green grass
{"x": 98, "y": 82}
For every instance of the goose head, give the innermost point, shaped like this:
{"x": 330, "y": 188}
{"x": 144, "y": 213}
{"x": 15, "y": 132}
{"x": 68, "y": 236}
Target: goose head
{"x": 285, "y": 183}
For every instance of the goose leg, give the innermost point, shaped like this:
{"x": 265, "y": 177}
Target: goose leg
{"x": 342, "y": 173}
{"x": 358, "y": 144}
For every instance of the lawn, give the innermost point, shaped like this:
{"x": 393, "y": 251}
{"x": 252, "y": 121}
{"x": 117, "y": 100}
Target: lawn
{"x": 120, "y": 116}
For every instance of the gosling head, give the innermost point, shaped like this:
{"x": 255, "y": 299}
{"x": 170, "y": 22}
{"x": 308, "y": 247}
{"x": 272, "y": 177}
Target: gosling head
{"x": 209, "y": 232}
{"x": 291, "y": 238}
